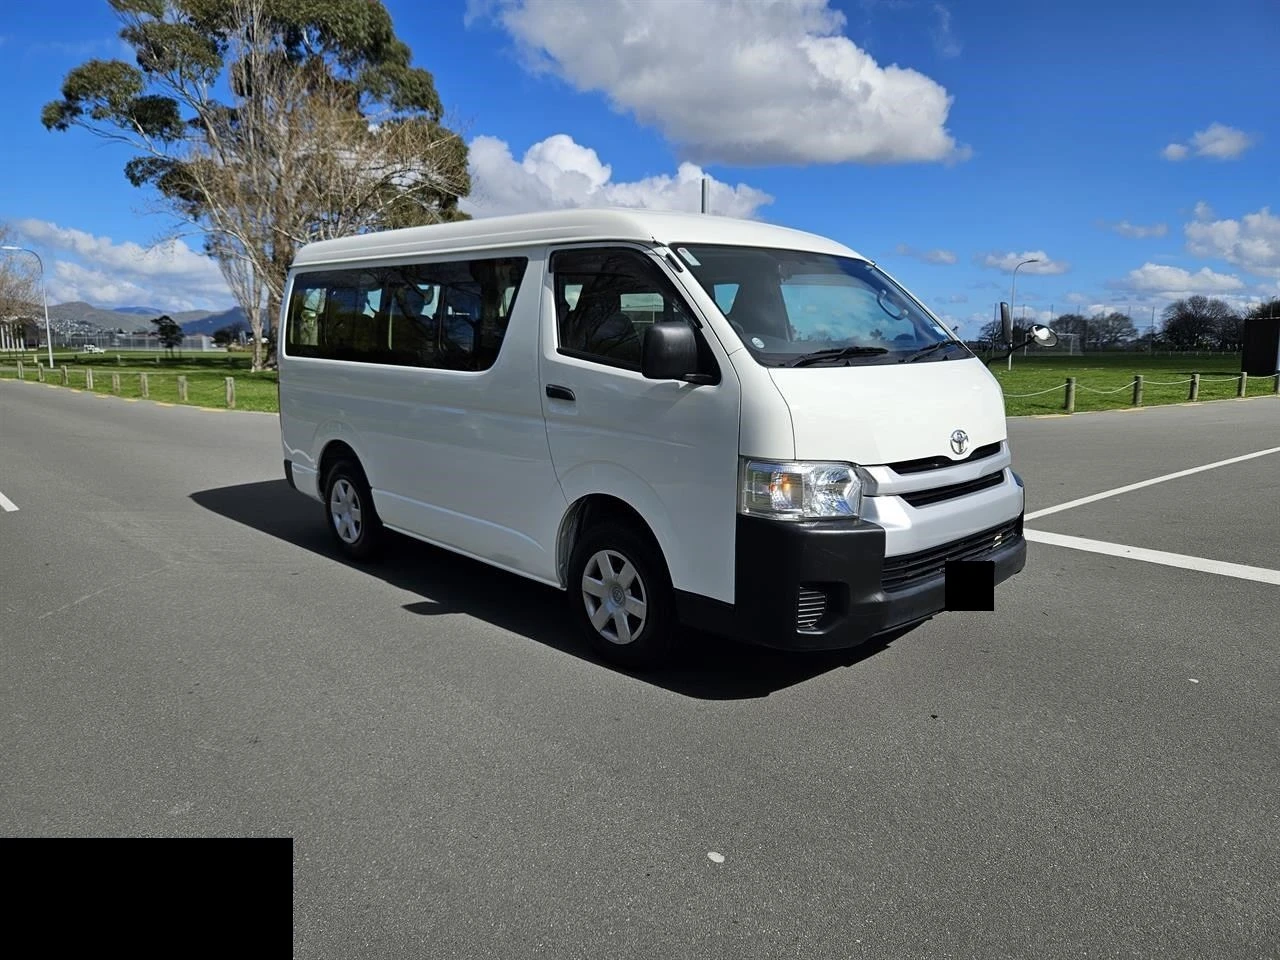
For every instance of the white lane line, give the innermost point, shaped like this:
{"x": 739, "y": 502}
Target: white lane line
{"x": 1220, "y": 567}
{"x": 1146, "y": 483}
{"x": 7, "y": 505}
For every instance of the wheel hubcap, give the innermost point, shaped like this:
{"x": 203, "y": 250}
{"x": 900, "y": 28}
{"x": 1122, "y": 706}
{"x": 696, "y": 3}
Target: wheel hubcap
{"x": 344, "y": 508}
{"x": 615, "y": 597}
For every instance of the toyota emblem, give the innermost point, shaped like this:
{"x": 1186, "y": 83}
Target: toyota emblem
{"x": 959, "y": 442}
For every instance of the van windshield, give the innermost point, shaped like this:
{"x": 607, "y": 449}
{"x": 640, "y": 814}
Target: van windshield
{"x": 796, "y": 308}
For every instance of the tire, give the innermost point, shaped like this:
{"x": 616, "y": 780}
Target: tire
{"x": 349, "y": 511}
{"x": 621, "y": 596}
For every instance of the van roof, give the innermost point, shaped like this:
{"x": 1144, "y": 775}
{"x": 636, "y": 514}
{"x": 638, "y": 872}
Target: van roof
{"x": 587, "y": 224}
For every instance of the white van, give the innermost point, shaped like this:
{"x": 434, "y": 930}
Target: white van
{"x": 671, "y": 417}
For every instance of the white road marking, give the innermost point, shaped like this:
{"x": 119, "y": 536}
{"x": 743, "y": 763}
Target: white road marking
{"x": 1220, "y": 567}
{"x": 7, "y": 505}
{"x": 1147, "y": 483}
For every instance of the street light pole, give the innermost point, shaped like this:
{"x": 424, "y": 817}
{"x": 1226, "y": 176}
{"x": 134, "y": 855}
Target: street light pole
{"x": 1012, "y": 288}
{"x": 44, "y": 296}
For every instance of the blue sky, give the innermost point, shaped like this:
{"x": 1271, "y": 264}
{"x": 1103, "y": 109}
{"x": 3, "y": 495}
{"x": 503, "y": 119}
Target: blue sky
{"x": 1134, "y": 147}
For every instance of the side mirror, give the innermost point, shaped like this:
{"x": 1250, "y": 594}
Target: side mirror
{"x": 669, "y": 351}
{"x": 1006, "y": 325}
{"x": 1042, "y": 336}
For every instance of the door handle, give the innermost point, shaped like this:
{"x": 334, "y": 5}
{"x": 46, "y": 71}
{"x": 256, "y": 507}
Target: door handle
{"x": 557, "y": 392}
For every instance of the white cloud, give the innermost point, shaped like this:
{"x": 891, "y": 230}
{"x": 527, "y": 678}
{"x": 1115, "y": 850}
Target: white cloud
{"x": 944, "y": 41}
{"x": 1077, "y": 298}
{"x": 1024, "y": 312}
{"x": 1175, "y": 282}
{"x": 1221, "y": 142}
{"x": 558, "y": 172}
{"x": 1203, "y": 211}
{"x": 169, "y": 276}
{"x": 1138, "y": 231}
{"x": 1252, "y": 242}
{"x": 1217, "y": 141}
{"x": 734, "y": 82}
{"x": 1007, "y": 262}
{"x": 926, "y": 256}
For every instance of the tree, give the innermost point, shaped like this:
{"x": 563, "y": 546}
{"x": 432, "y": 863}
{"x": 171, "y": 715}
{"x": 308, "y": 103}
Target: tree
{"x": 1266, "y": 310}
{"x": 169, "y": 332}
{"x": 1111, "y": 329}
{"x": 19, "y": 289}
{"x": 1194, "y": 322}
{"x": 228, "y": 334}
{"x": 1073, "y": 323}
{"x": 325, "y": 129}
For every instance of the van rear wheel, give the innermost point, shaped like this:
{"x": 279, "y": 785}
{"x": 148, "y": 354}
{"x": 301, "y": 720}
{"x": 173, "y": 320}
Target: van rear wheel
{"x": 621, "y": 595}
{"x": 348, "y": 507}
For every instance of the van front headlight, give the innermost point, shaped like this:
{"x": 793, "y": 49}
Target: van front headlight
{"x": 803, "y": 490}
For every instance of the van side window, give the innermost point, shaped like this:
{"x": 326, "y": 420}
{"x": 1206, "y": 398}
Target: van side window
{"x": 605, "y": 298}
{"x": 449, "y": 316}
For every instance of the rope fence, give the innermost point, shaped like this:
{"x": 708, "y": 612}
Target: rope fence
{"x": 185, "y": 388}
{"x": 226, "y": 396}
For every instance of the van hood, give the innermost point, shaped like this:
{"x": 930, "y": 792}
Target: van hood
{"x": 885, "y": 413}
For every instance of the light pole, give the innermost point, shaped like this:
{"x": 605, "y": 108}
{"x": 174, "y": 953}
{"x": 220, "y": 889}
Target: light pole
{"x": 1012, "y": 288}
{"x": 44, "y": 296}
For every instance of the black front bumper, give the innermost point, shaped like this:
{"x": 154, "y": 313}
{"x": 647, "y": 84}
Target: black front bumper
{"x": 827, "y": 585}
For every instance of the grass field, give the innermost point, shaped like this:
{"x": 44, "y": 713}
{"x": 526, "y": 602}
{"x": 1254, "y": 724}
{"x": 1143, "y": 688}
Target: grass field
{"x": 1035, "y": 385}
{"x": 1104, "y": 381}
{"x": 206, "y": 383}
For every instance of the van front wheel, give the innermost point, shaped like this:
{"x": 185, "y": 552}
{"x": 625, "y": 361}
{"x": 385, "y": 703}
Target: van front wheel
{"x": 622, "y": 595}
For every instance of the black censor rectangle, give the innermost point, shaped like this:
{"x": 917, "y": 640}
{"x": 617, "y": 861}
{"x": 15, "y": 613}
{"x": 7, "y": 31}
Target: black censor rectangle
{"x": 970, "y": 585}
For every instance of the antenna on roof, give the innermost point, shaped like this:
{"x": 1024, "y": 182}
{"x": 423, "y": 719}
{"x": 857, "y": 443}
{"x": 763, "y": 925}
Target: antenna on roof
{"x": 706, "y": 191}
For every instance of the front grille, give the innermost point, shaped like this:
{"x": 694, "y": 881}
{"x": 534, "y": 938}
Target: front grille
{"x": 922, "y": 498}
{"x": 810, "y": 608}
{"x": 910, "y": 569}
{"x": 938, "y": 463}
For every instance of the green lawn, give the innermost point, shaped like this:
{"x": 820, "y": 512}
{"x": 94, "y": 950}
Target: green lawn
{"x": 206, "y": 387}
{"x": 1103, "y": 381}
{"x": 140, "y": 359}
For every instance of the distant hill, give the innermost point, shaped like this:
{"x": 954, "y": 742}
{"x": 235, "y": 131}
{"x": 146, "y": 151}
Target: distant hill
{"x": 204, "y": 322}
{"x": 82, "y": 317}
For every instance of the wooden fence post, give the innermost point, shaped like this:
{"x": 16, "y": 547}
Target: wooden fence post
{"x": 66, "y": 375}
{"x": 1276, "y": 388}
{"x": 1070, "y": 403}
{"x": 21, "y": 373}
{"x": 182, "y": 389}
{"x": 115, "y": 383}
{"x": 143, "y": 387}
{"x": 1195, "y": 388}
{"x": 231, "y": 393}
{"x": 88, "y": 378}
{"x": 39, "y": 371}
{"x": 1243, "y": 388}
{"x": 1137, "y": 390}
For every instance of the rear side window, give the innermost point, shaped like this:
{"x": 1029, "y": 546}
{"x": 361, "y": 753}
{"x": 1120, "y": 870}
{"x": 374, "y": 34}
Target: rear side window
{"x": 605, "y": 298}
{"x": 448, "y": 316}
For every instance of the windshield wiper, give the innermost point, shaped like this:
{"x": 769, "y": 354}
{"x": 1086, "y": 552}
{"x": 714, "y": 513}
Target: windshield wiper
{"x": 925, "y": 351}
{"x": 836, "y": 353}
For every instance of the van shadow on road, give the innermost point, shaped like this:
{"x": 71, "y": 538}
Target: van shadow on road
{"x": 706, "y": 667}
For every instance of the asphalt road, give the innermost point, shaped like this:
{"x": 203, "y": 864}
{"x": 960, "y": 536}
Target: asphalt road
{"x": 182, "y": 654}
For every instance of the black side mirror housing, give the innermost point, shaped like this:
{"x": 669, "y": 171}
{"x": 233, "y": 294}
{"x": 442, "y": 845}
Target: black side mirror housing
{"x": 669, "y": 351}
